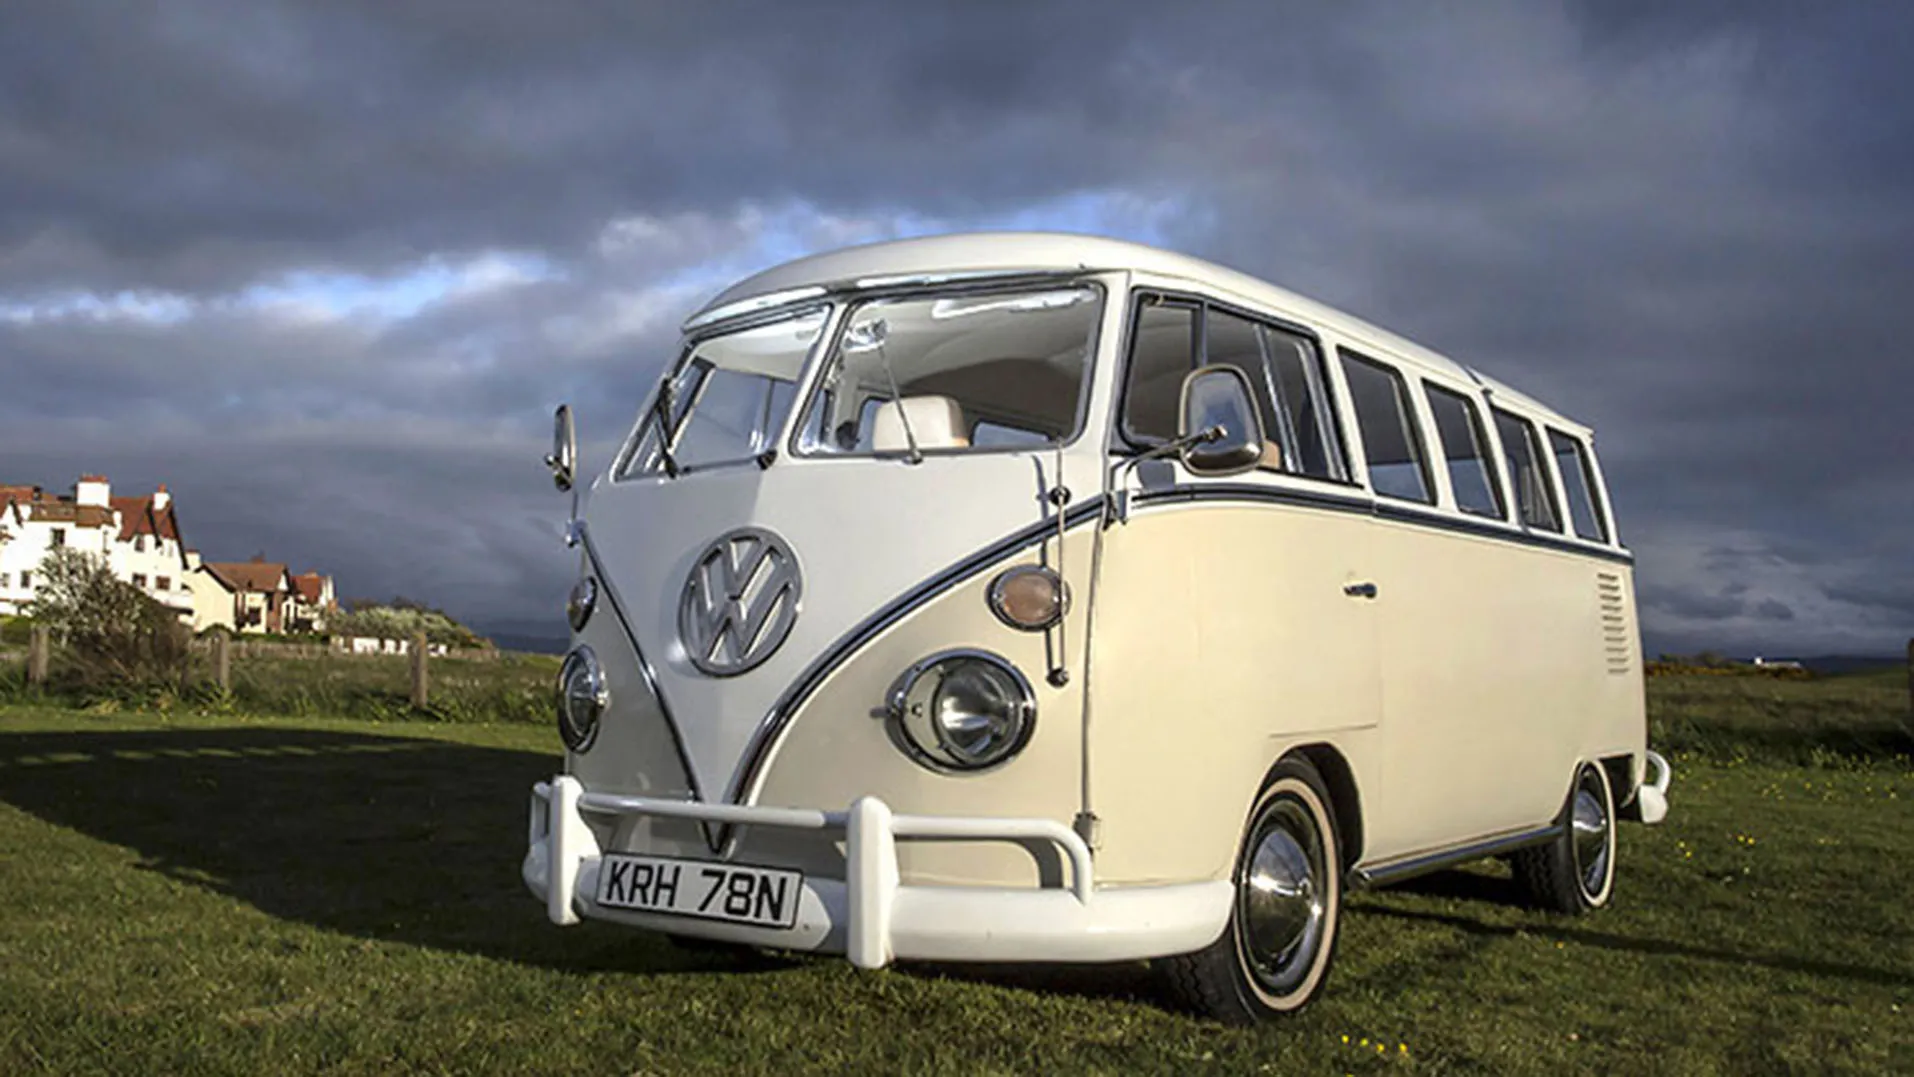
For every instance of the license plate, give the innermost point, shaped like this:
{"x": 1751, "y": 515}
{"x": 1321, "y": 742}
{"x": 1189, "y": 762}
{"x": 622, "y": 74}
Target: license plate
{"x": 733, "y": 892}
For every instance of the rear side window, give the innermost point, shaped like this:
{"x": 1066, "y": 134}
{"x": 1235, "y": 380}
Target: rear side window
{"x": 1578, "y": 484}
{"x": 1465, "y": 449}
{"x": 1389, "y": 437}
{"x": 1528, "y": 476}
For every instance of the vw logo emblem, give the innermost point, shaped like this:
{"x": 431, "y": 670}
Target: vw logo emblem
{"x": 739, "y": 601}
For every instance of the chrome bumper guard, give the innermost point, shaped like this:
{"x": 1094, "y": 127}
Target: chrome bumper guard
{"x": 869, "y": 916}
{"x": 1653, "y": 794}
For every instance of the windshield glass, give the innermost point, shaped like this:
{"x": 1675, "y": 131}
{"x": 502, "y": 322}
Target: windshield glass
{"x": 978, "y": 370}
{"x": 728, "y": 398}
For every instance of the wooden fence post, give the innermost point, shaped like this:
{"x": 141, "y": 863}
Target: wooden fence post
{"x": 1910, "y": 683}
{"x": 222, "y": 662}
{"x": 39, "y": 650}
{"x": 418, "y": 670}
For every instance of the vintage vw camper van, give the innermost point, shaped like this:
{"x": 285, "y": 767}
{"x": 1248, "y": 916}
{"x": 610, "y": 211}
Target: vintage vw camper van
{"x": 1022, "y": 597}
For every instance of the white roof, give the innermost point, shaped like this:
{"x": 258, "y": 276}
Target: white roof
{"x": 993, "y": 253}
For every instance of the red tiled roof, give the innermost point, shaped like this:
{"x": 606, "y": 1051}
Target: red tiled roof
{"x": 263, "y": 577}
{"x": 310, "y": 586}
{"x": 65, "y": 511}
{"x": 22, "y": 494}
{"x": 138, "y": 518}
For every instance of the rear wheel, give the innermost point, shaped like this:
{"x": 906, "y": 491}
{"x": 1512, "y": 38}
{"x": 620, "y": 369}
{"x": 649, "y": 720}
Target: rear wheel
{"x": 1575, "y": 872}
{"x": 1274, "y": 955}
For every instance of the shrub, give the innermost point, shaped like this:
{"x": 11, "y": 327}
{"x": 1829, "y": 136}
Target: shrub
{"x": 111, "y": 630}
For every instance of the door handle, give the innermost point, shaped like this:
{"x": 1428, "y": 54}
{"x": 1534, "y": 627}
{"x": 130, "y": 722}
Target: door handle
{"x": 1359, "y": 590}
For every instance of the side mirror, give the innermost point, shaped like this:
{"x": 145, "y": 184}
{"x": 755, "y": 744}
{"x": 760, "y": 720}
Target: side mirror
{"x": 564, "y": 454}
{"x": 1219, "y": 429}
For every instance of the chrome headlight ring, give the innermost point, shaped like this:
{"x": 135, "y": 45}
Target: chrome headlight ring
{"x": 582, "y": 699}
{"x": 961, "y": 711}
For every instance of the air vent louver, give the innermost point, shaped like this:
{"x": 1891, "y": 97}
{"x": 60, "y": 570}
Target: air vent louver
{"x": 1618, "y": 648}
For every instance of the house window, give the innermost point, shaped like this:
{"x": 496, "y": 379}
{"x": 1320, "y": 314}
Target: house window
{"x": 1465, "y": 447}
{"x": 59, "y": 536}
{"x": 26, "y": 580}
{"x": 139, "y": 543}
{"x": 163, "y": 583}
{"x": 139, "y": 579}
{"x": 6, "y": 579}
{"x": 1390, "y": 440}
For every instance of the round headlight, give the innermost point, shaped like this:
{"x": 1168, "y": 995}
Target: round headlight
{"x": 584, "y": 599}
{"x": 962, "y": 710}
{"x": 1030, "y": 597}
{"x": 582, "y": 699}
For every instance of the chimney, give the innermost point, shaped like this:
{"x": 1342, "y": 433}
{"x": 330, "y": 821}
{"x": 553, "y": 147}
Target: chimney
{"x": 92, "y": 490}
{"x": 161, "y": 499}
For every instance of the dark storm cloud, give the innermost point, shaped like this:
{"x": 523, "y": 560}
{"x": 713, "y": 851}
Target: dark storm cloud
{"x": 1691, "y": 226}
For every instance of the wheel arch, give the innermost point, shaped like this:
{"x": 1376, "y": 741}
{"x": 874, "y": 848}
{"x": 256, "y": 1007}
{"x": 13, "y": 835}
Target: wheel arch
{"x": 1345, "y": 799}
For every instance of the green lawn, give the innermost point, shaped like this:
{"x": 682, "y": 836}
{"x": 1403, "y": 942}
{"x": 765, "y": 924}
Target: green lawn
{"x": 219, "y": 893}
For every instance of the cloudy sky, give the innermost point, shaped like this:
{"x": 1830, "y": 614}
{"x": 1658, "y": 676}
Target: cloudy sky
{"x": 325, "y": 268}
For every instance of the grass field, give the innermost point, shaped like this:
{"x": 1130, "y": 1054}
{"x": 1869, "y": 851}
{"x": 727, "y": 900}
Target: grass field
{"x": 223, "y": 893}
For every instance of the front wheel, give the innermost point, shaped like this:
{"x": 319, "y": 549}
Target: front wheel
{"x": 1275, "y": 954}
{"x": 1575, "y": 872}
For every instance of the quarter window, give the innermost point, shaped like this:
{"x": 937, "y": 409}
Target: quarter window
{"x": 1528, "y": 477}
{"x": 1578, "y": 483}
{"x": 1389, "y": 437}
{"x": 1465, "y": 449}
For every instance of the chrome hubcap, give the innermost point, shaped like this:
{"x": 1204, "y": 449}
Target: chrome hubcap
{"x": 1590, "y": 825}
{"x": 1280, "y": 897}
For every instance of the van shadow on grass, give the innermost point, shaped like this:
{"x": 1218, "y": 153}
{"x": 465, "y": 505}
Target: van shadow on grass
{"x": 389, "y": 838}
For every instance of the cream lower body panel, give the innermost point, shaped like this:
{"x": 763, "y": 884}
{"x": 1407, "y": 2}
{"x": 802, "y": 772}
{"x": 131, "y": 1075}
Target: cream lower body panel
{"x": 869, "y": 916}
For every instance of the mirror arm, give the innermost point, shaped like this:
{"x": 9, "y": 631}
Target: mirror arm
{"x": 1117, "y": 506}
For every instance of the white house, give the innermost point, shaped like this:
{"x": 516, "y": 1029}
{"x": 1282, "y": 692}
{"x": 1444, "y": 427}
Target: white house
{"x": 140, "y": 539}
{"x": 149, "y": 552}
{"x": 33, "y": 524}
{"x": 261, "y": 592}
{"x": 214, "y": 600}
{"x": 310, "y": 603}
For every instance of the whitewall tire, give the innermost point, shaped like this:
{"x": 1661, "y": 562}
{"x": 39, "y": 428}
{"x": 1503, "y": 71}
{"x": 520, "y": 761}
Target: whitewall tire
{"x": 1274, "y": 955}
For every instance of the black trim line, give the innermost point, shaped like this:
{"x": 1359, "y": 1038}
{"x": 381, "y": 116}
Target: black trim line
{"x": 644, "y": 665}
{"x": 1395, "y": 871}
{"x": 1487, "y": 530}
{"x": 787, "y": 705}
{"x": 1236, "y": 491}
{"x": 1380, "y": 509}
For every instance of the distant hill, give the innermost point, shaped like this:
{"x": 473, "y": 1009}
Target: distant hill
{"x": 506, "y": 641}
{"x": 1850, "y": 663}
{"x": 530, "y": 636}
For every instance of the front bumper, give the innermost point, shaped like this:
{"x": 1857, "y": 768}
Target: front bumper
{"x": 869, "y": 916}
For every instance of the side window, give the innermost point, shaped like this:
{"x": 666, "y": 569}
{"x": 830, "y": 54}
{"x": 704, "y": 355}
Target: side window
{"x": 1162, "y": 352}
{"x": 1296, "y": 378}
{"x": 1534, "y": 494}
{"x": 1389, "y": 437}
{"x": 1232, "y": 341}
{"x": 1465, "y": 448}
{"x": 1578, "y": 484}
